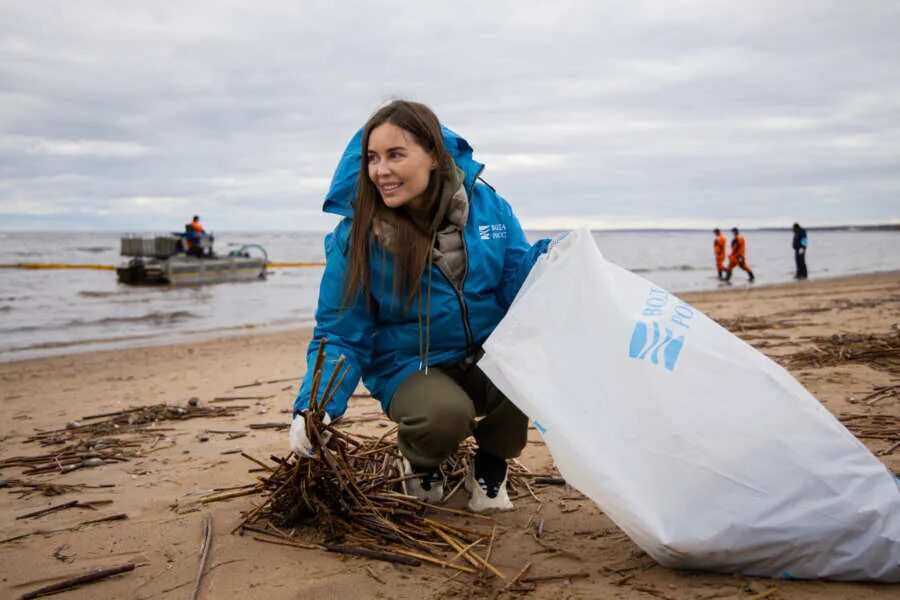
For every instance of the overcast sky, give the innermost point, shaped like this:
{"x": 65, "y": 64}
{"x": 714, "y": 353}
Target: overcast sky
{"x": 135, "y": 115}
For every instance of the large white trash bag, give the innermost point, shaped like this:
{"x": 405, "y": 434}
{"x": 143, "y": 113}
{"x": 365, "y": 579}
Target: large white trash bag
{"x": 705, "y": 452}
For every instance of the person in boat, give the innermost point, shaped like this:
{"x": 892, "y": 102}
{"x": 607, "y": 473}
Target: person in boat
{"x": 196, "y": 238}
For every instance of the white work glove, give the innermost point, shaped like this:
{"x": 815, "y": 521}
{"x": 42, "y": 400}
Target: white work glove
{"x": 300, "y": 444}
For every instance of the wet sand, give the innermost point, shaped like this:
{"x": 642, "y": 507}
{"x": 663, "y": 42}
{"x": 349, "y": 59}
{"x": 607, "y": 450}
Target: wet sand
{"x": 816, "y": 329}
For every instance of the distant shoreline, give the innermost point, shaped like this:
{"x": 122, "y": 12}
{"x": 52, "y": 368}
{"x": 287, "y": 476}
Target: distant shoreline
{"x": 855, "y": 228}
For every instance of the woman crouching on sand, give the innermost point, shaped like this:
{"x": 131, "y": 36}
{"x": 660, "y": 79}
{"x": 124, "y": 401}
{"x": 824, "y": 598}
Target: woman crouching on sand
{"x": 421, "y": 269}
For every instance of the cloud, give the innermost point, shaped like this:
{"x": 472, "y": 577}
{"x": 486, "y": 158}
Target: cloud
{"x": 88, "y": 148}
{"x": 631, "y": 112}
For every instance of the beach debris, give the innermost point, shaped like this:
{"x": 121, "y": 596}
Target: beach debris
{"x": 92, "y": 505}
{"x": 60, "y": 554}
{"x": 880, "y": 393}
{"x": 874, "y": 426}
{"x": 256, "y": 383}
{"x": 204, "y": 554}
{"x": 80, "y": 453}
{"x": 744, "y": 324}
{"x": 74, "y": 582}
{"x": 140, "y": 419}
{"x": 351, "y": 498}
{"x": 96, "y": 440}
{"x": 879, "y": 351}
{"x": 219, "y": 399}
{"x": 116, "y": 517}
{"x": 26, "y": 488}
{"x": 194, "y": 401}
{"x": 276, "y": 426}
{"x": 555, "y": 576}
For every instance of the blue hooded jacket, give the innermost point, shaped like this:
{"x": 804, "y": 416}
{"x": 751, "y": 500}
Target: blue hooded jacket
{"x": 381, "y": 344}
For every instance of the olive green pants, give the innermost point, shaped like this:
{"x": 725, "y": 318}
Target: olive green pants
{"x": 437, "y": 411}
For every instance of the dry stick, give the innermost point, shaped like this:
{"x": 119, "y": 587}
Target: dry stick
{"x": 374, "y": 576}
{"x": 889, "y": 450}
{"x": 68, "y": 584}
{"x": 92, "y": 505}
{"x": 385, "y": 556}
{"x": 230, "y": 495}
{"x": 515, "y": 579}
{"x": 204, "y": 554}
{"x": 537, "y": 578}
{"x": 434, "y": 561}
{"x": 118, "y": 517}
{"x": 458, "y": 512}
{"x": 233, "y": 398}
{"x": 490, "y": 548}
{"x": 289, "y": 543}
{"x": 269, "y": 425}
{"x": 256, "y": 383}
{"x": 268, "y": 500}
{"x": 113, "y": 414}
{"x": 884, "y": 395}
{"x": 473, "y": 558}
{"x": 47, "y": 511}
{"x": 317, "y": 376}
{"x": 259, "y": 462}
{"x": 465, "y": 549}
{"x": 462, "y": 532}
{"x": 764, "y": 594}
{"x": 337, "y": 369}
{"x": 550, "y": 480}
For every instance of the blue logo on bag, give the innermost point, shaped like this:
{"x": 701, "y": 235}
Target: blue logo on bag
{"x": 657, "y": 336}
{"x": 642, "y": 345}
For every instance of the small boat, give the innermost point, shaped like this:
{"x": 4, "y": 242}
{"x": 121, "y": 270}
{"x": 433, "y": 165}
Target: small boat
{"x": 175, "y": 260}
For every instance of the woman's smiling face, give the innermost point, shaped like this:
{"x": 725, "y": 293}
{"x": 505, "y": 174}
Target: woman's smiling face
{"x": 398, "y": 166}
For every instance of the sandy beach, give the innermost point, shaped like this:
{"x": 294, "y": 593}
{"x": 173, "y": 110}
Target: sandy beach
{"x": 839, "y": 337}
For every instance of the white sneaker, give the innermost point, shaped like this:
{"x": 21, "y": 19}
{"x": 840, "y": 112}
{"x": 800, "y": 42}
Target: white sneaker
{"x": 487, "y": 492}
{"x": 429, "y": 487}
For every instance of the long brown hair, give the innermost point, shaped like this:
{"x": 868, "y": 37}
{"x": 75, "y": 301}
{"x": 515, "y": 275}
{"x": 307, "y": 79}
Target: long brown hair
{"x": 413, "y": 239}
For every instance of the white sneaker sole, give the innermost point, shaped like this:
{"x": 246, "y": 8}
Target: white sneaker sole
{"x": 480, "y": 502}
{"x": 414, "y": 486}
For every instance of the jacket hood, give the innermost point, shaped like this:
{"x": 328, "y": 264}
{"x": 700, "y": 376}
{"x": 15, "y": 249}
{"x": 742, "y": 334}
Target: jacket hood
{"x": 342, "y": 192}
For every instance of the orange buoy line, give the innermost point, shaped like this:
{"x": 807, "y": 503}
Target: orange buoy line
{"x": 283, "y": 265}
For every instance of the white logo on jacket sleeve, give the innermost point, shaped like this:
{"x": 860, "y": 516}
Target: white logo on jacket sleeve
{"x": 492, "y": 232}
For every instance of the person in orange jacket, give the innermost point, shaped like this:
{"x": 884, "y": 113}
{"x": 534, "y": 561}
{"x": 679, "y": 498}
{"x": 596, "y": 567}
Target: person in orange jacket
{"x": 196, "y": 226}
{"x": 738, "y": 256}
{"x": 194, "y": 235}
{"x": 719, "y": 251}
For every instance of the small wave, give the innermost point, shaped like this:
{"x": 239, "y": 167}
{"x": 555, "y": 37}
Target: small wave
{"x": 94, "y": 249}
{"x": 158, "y": 318}
{"x": 5, "y": 308}
{"x": 665, "y": 268}
{"x": 96, "y": 294}
{"x": 155, "y": 318}
{"x": 22, "y": 329}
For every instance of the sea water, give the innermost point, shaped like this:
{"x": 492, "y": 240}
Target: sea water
{"x": 47, "y": 312}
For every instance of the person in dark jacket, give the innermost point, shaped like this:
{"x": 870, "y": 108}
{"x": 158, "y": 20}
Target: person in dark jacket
{"x": 419, "y": 272}
{"x": 800, "y": 243}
